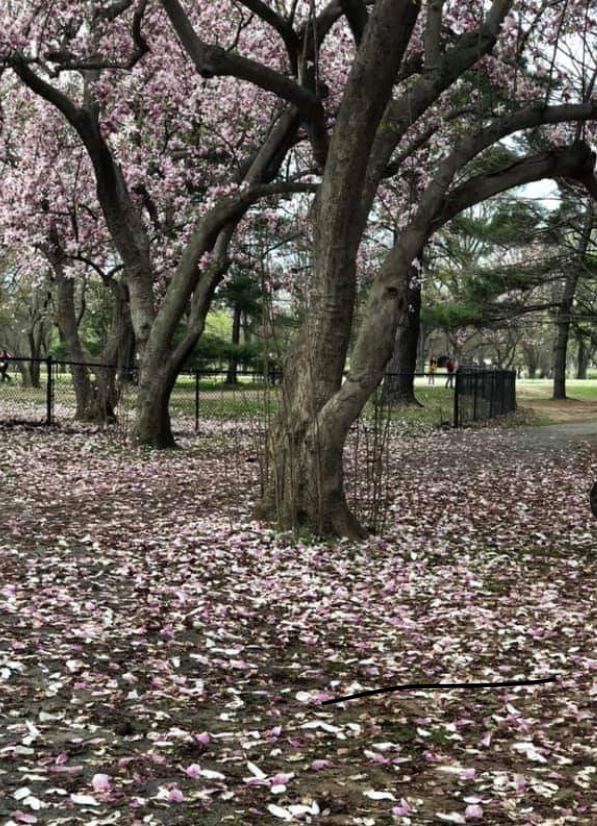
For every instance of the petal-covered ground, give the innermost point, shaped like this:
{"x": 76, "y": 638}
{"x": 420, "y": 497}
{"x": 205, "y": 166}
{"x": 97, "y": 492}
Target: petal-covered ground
{"x": 163, "y": 659}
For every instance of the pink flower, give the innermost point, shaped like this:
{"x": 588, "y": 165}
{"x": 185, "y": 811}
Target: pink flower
{"x": 403, "y": 809}
{"x": 318, "y": 765}
{"x": 202, "y": 738}
{"x": 194, "y": 770}
{"x": 175, "y": 795}
{"x": 473, "y": 811}
{"x": 101, "y": 783}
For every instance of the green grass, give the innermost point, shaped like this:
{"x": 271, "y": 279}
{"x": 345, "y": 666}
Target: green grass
{"x": 530, "y": 389}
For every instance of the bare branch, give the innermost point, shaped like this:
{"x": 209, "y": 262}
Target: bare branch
{"x": 575, "y": 162}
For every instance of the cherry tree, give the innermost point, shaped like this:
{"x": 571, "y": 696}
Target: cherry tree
{"x": 53, "y": 224}
{"x": 175, "y": 168}
{"x": 401, "y": 93}
{"x": 410, "y": 68}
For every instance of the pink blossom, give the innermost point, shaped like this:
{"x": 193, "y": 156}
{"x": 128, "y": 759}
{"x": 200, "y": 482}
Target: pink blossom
{"x": 318, "y": 765}
{"x": 101, "y": 783}
{"x": 175, "y": 795}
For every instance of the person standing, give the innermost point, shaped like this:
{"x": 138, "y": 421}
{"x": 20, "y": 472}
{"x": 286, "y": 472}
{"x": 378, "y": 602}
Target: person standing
{"x": 450, "y": 366}
{"x": 432, "y": 370}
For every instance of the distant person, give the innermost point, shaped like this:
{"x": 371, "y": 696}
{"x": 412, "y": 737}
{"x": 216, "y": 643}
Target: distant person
{"x": 432, "y": 370}
{"x": 450, "y": 367}
{"x": 4, "y": 367}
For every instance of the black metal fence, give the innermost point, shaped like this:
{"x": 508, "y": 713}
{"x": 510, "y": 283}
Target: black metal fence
{"x": 42, "y": 392}
{"x": 482, "y": 394}
{"x": 46, "y": 395}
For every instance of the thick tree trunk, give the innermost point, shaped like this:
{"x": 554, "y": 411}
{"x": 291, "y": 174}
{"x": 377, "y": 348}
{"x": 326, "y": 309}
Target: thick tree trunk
{"x": 306, "y": 484}
{"x": 306, "y": 478}
{"x": 582, "y": 358}
{"x": 399, "y": 389}
{"x": 231, "y": 376}
{"x": 153, "y": 427}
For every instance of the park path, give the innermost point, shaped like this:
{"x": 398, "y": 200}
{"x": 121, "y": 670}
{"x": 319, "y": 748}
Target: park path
{"x": 552, "y": 437}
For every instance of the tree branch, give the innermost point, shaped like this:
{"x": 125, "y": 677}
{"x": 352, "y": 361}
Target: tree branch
{"x": 73, "y": 114}
{"x": 277, "y": 22}
{"x": 356, "y": 13}
{"x": 432, "y": 36}
{"x": 406, "y": 110}
{"x": 576, "y": 162}
{"x": 212, "y": 61}
{"x": 67, "y": 61}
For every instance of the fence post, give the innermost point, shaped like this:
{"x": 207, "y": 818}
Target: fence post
{"x": 196, "y": 400}
{"x": 491, "y": 394}
{"x": 49, "y": 390}
{"x": 475, "y": 378}
{"x": 457, "y": 388}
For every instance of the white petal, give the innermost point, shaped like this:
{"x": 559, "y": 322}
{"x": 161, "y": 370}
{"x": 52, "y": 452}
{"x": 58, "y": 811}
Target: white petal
{"x": 256, "y": 770}
{"x": 84, "y": 800}
{"x": 379, "y": 795}
{"x": 278, "y": 811}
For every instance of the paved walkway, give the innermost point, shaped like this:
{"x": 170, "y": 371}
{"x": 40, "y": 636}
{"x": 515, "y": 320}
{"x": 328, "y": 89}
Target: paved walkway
{"x": 553, "y": 436}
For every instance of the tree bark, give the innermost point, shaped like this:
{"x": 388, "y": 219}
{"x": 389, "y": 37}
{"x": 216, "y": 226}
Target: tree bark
{"x": 582, "y": 359}
{"x": 564, "y": 310}
{"x": 531, "y": 359}
{"x": 399, "y": 389}
{"x": 88, "y": 403}
{"x": 306, "y": 444}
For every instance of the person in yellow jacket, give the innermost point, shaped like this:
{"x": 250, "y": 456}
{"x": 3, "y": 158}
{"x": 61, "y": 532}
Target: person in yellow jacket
{"x": 432, "y": 370}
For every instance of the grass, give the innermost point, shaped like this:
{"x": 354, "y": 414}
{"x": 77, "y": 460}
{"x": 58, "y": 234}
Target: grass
{"x": 532, "y": 389}
{"x": 246, "y": 401}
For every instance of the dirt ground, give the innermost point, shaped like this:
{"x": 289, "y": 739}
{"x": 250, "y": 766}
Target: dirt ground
{"x": 164, "y": 660}
{"x": 569, "y": 410}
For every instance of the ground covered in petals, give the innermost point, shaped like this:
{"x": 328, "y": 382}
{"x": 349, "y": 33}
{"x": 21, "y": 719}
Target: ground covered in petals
{"x": 163, "y": 659}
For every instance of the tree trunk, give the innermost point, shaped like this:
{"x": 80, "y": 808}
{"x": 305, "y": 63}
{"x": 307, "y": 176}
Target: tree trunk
{"x": 231, "y": 376}
{"x": 531, "y": 360}
{"x": 306, "y": 476}
{"x": 399, "y": 389}
{"x": 89, "y": 406}
{"x": 306, "y": 445}
{"x": 24, "y": 368}
{"x": 559, "y": 356}
{"x": 582, "y": 362}
{"x": 152, "y": 425}
{"x": 565, "y": 308}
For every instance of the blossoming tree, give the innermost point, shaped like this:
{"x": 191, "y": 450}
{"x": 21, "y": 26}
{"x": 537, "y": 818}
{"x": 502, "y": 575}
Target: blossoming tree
{"x": 399, "y": 93}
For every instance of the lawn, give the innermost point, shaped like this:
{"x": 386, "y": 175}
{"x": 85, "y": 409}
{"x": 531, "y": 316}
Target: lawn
{"x": 585, "y": 390}
{"x": 163, "y": 658}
